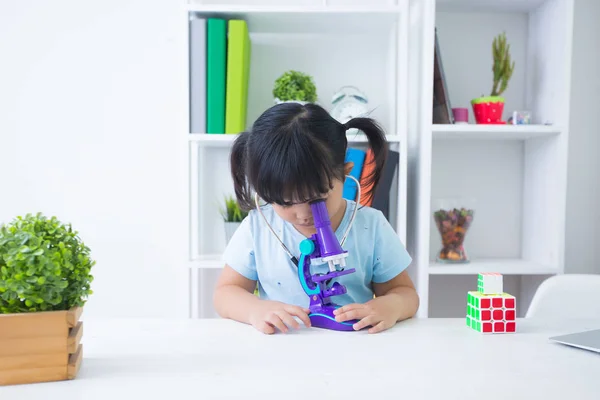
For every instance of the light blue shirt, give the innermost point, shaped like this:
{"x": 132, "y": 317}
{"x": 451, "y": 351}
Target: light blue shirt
{"x": 374, "y": 250}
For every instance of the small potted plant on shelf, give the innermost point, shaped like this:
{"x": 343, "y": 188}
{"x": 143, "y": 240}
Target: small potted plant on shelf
{"x": 233, "y": 216}
{"x": 44, "y": 283}
{"x": 296, "y": 87}
{"x": 489, "y": 109}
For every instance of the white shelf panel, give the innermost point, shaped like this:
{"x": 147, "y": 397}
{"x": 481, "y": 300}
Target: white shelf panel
{"x": 317, "y": 19}
{"x": 207, "y": 261}
{"x": 489, "y": 5}
{"x": 196, "y": 5}
{"x": 493, "y": 132}
{"x": 505, "y": 267}
{"x": 226, "y": 140}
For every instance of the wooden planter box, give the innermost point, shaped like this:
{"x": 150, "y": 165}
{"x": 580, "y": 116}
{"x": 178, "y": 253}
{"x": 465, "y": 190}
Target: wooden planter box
{"x": 40, "y": 347}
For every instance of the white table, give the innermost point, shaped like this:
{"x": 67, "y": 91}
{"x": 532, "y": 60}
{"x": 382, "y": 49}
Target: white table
{"x": 418, "y": 359}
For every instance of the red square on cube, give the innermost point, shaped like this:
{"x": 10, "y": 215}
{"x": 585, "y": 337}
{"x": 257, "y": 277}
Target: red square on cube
{"x": 497, "y": 302}
{"x": 509, "y": 315}
{"x": 498, "y": 315}
{"x": 487, "y": 327}
{"x": 485, "y": 303}
{"x": 486, "y": 315}
{"x": 509, "y": 303}
{"x": 510, "y": 327}
{"x": 498, "y": 326}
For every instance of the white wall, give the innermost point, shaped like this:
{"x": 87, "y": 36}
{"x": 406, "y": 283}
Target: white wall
{"x": 91, "y": 122}
{"x": 583, "y": 197}
{"x": 92, "y": 129}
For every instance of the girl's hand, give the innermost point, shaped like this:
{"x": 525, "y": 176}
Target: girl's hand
{"x": 269, "y": 315}
{"x": 378, "y": 313}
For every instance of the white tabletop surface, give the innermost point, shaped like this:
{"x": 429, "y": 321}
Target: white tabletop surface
{"x": 418, "y": 359}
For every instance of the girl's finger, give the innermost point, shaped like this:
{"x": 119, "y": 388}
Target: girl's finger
{"x": 347, "y": 307}
{"x": 366, "y": 321}
{"x": 274, "y": 320}
{"x": 300, "y": 313}
{"x": 266, "y": 328}
{"x": 358, "y": 313}
{"x": 382, "y": 326}
{"x": 288, "y": 319}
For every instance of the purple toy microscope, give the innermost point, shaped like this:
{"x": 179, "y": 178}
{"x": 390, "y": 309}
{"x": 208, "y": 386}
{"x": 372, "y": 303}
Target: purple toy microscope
{"x": 323, "y": 247}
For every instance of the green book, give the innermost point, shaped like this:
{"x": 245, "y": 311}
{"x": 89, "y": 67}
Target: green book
{"x": 238, "y": 68}
{"x": 216, "y": 72}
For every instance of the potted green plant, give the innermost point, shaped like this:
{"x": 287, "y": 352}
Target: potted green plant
{"x": 295, "y": 86}
{"x": 232, "y": 215}
{"x": 489, "y": 109}
{"x": 45, "y": 277}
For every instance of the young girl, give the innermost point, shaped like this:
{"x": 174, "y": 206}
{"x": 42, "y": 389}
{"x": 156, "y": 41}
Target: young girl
{"x": 294, "y": 154}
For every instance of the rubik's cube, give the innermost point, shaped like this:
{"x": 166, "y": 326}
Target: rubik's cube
{"x": 492, "y": 311}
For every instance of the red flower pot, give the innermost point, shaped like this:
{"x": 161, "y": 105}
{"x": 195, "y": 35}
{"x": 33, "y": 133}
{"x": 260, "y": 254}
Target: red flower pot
{"x": 488, "y": 110}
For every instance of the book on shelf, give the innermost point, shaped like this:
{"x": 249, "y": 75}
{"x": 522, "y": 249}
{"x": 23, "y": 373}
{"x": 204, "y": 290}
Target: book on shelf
{"x": 356, "y": 156}
{"x": 216, "y": 70}
{"x": 442, "y": 108}
{"x": 219, "y": 72}
{"x": 364, "y": 165}
{"x": 368, "y": 169}
{"x": 197, "y": 28}
{"x": 238, "y": 66}
{"x": 381, "y": 197}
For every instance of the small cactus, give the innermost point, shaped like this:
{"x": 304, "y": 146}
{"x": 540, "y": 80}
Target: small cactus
{"x": 502, "y": 67}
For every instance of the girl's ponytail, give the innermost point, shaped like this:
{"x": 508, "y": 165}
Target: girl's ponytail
{"x": 238, "y": 171}
{"x": 379, "y": 146}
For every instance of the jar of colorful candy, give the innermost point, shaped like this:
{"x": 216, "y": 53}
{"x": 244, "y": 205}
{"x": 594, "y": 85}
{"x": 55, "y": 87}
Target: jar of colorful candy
{"x": 453, "y": 219}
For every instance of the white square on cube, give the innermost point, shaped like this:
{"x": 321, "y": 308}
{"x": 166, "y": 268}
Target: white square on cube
{"x": 490, "y": 283}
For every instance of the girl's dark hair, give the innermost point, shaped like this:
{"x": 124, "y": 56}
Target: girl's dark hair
{"x": 294, "y": 153}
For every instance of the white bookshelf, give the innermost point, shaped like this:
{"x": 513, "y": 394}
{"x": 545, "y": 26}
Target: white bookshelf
{"x": 516, "y": 174}
{"x": 338, "y": 42}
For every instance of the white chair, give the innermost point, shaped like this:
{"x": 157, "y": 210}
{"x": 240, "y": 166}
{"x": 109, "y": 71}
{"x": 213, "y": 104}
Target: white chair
{"x": 567, "y": 296}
